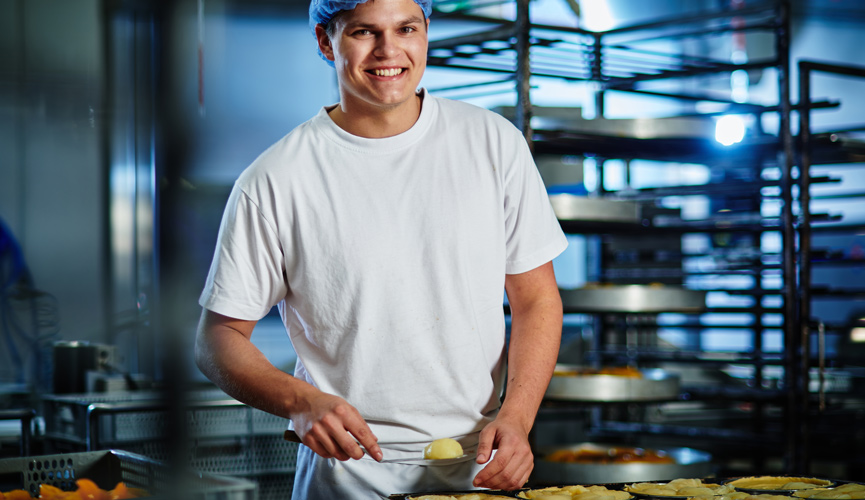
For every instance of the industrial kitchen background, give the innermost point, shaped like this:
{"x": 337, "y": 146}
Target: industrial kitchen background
{"x": 705, "y": 158}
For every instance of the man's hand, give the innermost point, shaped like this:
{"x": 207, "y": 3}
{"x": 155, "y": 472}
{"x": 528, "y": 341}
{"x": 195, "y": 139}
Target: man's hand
{"x": 513, "y": 462}
{"x": 332, "y": 428}
{"x": 536, "y": 329}
{"x": 326, "y": 423}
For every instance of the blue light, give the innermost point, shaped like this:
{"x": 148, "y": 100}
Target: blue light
{"x": 730, "y": 129}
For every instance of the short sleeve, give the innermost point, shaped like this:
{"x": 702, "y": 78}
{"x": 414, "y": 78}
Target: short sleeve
{"x": 246, "y": 277}
{"x": 533, "y": 235}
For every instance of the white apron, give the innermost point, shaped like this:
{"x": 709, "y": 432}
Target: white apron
{"x": 319, "y": 478}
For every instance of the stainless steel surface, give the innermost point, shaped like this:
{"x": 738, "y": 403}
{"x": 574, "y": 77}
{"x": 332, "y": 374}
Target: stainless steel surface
{"x": 571, "y": 119}
{"x": 633, "y": 299}
{"x": 573, "y": 207}
{"x": 689, "y": 463}
{"x": 654, "y": 385}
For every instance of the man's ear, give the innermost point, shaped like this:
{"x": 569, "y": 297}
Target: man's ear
{"x": 324, "y": 43}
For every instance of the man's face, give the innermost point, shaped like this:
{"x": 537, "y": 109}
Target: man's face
{"x": 379, "y": 50}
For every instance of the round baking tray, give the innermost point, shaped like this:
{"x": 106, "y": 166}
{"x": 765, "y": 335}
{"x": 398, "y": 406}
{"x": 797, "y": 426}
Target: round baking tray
{"x": 823, "y": 483}
{"x": 654, "y": 385}
{"x": 633, "y": 299}
{"x": 689, "y": 463}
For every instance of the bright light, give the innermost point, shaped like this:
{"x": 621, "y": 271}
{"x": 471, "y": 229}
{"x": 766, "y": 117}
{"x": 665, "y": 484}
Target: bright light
{"x": 596, "y": 16}
{"x": 857, "y": 334}
{"x": 730, "y": 129}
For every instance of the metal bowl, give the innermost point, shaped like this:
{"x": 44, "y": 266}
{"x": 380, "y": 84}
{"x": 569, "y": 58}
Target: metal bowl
{"x": 688, "y": 463}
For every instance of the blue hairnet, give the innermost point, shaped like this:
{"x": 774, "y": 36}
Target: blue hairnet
{"x": 322, "y": 11}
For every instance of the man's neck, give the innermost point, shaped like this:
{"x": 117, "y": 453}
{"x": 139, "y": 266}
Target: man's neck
{"x": 377, "y": 124}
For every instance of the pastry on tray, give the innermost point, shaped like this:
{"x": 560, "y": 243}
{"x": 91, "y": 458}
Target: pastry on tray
{"x": 853, "y": 491}
{"x": 613, "y": 455}
{"x": 778, "y": 483}
{"x": 574, "y": 492}
{"x": 680, "y": 488}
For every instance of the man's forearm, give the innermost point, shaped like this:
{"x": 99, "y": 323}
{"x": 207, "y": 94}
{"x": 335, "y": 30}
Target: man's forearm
{"x": 226, "y": 355}
{"x": 536, "y": 329}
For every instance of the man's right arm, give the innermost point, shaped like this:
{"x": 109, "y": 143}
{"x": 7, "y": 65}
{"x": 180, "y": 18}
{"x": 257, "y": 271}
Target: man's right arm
{"x": 326, "y": 423}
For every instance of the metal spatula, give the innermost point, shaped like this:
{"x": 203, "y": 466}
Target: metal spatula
{"x": 290, "y": 435}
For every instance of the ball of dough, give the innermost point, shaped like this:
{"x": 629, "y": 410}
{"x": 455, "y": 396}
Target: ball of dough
{"x": 443, "y": 448}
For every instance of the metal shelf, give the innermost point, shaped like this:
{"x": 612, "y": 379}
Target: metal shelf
{"x": 624, "y": 60}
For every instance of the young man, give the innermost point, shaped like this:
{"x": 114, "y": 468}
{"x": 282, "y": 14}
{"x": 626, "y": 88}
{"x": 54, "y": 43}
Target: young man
{"x": 385, "y": 229}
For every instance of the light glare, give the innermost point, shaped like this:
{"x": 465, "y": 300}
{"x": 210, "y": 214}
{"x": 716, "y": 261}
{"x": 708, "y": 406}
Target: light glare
{"x": 730, "y": 129}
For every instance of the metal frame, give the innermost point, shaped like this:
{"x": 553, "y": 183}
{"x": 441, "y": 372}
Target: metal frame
{"x": 26, "y": 416}
{"x": 502, "y": 49}
{"x": 802, "y": 403}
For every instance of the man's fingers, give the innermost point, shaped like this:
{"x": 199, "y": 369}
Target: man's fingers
{"x": 367, "y": 439}
{"x": 324, "y": 440}
{"x": 485, "y": 446}
{"x": 492, "y": 469}
{"x": 504, "y": 475}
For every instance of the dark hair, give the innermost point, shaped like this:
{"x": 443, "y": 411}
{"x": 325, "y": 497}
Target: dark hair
{"x": 330, "y": 27}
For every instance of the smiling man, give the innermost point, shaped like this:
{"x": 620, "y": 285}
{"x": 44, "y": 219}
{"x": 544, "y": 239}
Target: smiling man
{"x": 385, "y": 230}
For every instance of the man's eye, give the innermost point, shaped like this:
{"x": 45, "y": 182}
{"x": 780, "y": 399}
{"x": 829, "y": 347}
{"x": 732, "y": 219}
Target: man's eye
{"x": 362, "y": 32}
{"x": 409, "y": 29}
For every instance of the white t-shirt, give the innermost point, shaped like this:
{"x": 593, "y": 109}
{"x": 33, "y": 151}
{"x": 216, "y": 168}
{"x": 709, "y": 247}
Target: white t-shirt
{"x": 387, "y": 258}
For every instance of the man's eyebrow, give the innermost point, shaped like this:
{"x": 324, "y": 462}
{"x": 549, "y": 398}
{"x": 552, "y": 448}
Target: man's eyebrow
{"x": 404, "y": 22}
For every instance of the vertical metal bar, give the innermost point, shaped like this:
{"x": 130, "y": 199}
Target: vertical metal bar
{"x": 792, "y": 339}
{"x": 524, "y": 71}
{"x": 108, "y": 118}
{"x": 91, "y": 429}
{"x": 805, "y": 249}
{"x": 598, "y": 74}
{"x": 26, "y": 425}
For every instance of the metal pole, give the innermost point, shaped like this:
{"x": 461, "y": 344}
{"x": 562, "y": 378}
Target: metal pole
{"x": 805, "y": 254}
{"x": 792, "y": 339}
{"x": 524, "y": 71}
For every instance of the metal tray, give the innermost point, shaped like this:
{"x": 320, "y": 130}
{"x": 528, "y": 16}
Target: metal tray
{"x": 655, "y": 385}
{"x": 108, "y": 467}
{"x": 633, "y": 299}
{"x": 688, "y": 457}
{"x": 407, "y": 496}
{"x": 572, "y": 207}
{"x": 689, "y": 463}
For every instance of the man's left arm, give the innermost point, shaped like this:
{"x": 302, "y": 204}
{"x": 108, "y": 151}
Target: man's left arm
{"x": 536, "y": 331}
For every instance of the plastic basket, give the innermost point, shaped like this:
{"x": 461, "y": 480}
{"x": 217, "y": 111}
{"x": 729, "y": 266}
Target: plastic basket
{"x": 108, "y": 467}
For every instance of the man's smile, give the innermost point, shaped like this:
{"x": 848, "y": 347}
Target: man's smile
{"x": 387, "y": 71}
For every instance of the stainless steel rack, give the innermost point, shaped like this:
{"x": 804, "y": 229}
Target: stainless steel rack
{"x": 782, "y": 417}
{"x": 222, "y": 435}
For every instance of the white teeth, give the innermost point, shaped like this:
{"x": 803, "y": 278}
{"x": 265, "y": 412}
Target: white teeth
{"x": 387, "y": 72}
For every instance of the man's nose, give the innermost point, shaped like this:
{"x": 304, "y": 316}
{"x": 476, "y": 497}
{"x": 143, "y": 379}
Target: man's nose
{"x": 387, "y": 45}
